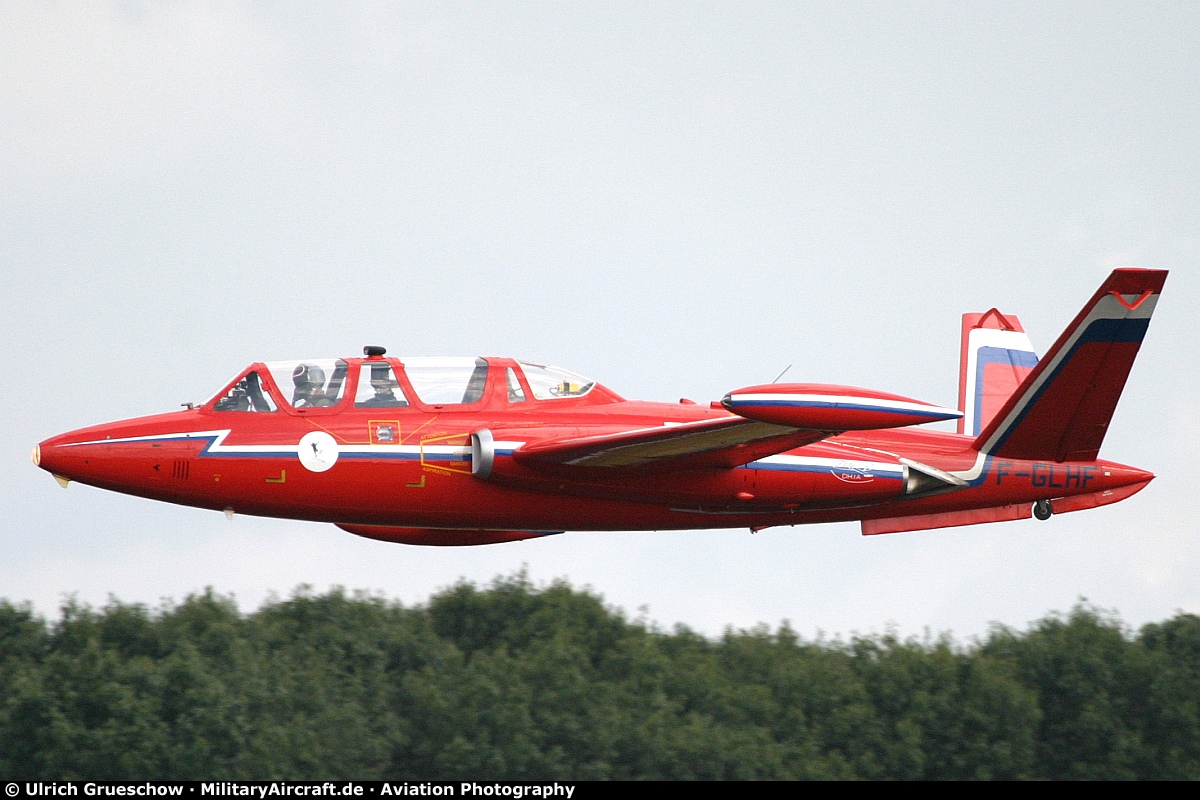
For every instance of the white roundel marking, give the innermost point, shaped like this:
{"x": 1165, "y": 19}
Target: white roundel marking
{"x": 318, "y": 451}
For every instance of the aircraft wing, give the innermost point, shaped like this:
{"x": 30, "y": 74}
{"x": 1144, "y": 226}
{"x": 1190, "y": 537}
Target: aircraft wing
{"x": 724, "y": 442}
{"x": 766, "y": 420}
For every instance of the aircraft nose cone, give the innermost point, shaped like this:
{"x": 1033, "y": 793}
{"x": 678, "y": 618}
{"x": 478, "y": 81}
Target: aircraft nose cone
{"x": 43, "y": 455}
{"x": 50, "y": 456}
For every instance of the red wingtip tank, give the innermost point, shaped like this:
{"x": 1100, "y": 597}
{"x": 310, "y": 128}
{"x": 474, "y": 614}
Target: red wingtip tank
{"x": 832, "y": 408}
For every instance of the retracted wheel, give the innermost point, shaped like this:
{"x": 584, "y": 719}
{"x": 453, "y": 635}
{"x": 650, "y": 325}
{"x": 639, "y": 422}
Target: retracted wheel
{"x": 1042, "y": 509}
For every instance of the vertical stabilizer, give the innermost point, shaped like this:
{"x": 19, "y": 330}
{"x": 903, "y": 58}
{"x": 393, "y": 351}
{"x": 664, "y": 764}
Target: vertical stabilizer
{"x": 995, "y": 358}
{"x": 1062, "y": 409}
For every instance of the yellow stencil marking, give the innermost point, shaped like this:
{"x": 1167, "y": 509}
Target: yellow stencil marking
{"x": 418, "y": 485}
{"x": 282, "y": 477}
{"x": 441, "y": 467}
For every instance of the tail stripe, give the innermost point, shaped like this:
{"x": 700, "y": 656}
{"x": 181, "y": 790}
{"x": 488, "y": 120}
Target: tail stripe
{"x": 1115, "y": 330}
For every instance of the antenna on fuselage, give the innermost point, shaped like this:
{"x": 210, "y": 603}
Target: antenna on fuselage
{"x": 780, "y": 375}
{"x": 374, "y": 351}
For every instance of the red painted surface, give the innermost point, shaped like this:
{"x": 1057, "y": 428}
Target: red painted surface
{"x": 828, "y": 407}
{"x": 598, "y": 462}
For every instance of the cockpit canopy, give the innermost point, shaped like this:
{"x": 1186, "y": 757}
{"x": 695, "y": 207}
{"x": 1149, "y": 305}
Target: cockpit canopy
{"x": 378, "y": 382}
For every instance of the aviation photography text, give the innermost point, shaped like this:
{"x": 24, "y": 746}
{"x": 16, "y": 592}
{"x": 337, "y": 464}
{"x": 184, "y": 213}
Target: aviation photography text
{"x": 264, "y": 789}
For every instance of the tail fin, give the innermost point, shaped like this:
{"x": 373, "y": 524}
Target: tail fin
{"x": 996, "y": 356}
{"x": 1062, "y": 409}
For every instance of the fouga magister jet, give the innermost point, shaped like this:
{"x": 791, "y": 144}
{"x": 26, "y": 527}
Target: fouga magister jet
{"x": 468, "y": 451}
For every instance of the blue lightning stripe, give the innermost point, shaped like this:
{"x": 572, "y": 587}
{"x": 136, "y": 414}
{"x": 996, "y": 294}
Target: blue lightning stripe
{"x": 214, "y": 447}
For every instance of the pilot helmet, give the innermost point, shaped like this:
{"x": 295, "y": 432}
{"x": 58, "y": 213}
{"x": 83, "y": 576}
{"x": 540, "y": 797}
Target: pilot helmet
{"x": 308, "y": 378}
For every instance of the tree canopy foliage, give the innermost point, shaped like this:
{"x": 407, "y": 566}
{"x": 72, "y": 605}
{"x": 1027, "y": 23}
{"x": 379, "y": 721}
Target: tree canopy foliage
{"x": 515, "y": 681}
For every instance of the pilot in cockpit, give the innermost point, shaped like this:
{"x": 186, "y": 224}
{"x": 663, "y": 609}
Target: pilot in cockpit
{"x": 309, "y": 380}
{"x": 384, "y": 386}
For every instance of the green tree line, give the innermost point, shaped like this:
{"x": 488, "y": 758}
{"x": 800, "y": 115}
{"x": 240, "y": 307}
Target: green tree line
{"x": 516, "y": 681}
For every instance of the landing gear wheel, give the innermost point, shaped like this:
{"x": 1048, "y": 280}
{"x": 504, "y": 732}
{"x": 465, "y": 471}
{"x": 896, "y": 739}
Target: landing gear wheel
{"x": 1042, "y": 509}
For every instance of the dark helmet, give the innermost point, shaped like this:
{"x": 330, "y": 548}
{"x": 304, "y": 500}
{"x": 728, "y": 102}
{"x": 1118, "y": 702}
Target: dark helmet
{"x": 309, "y": 375}
{"x": 310, "y": 381}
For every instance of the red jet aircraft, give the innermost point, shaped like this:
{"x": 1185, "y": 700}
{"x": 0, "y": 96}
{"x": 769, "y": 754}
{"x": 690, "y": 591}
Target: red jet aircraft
{"x": 459, "y": 451}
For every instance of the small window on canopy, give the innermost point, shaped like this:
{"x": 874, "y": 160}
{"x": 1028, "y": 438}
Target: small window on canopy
{"x": 318, "y": 383}
{"x": 447, "y": 381}
{"x": 552, "y": 383}
{"x": 378, "y": 387}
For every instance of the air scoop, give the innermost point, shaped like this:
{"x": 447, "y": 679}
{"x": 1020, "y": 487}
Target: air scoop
{"x": 831, "y": 408}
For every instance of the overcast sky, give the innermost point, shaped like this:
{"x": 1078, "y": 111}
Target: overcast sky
{"x": 674, "y": 199}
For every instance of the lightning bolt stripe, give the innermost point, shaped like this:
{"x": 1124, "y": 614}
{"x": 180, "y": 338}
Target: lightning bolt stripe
{"x": 215, "y": 447}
